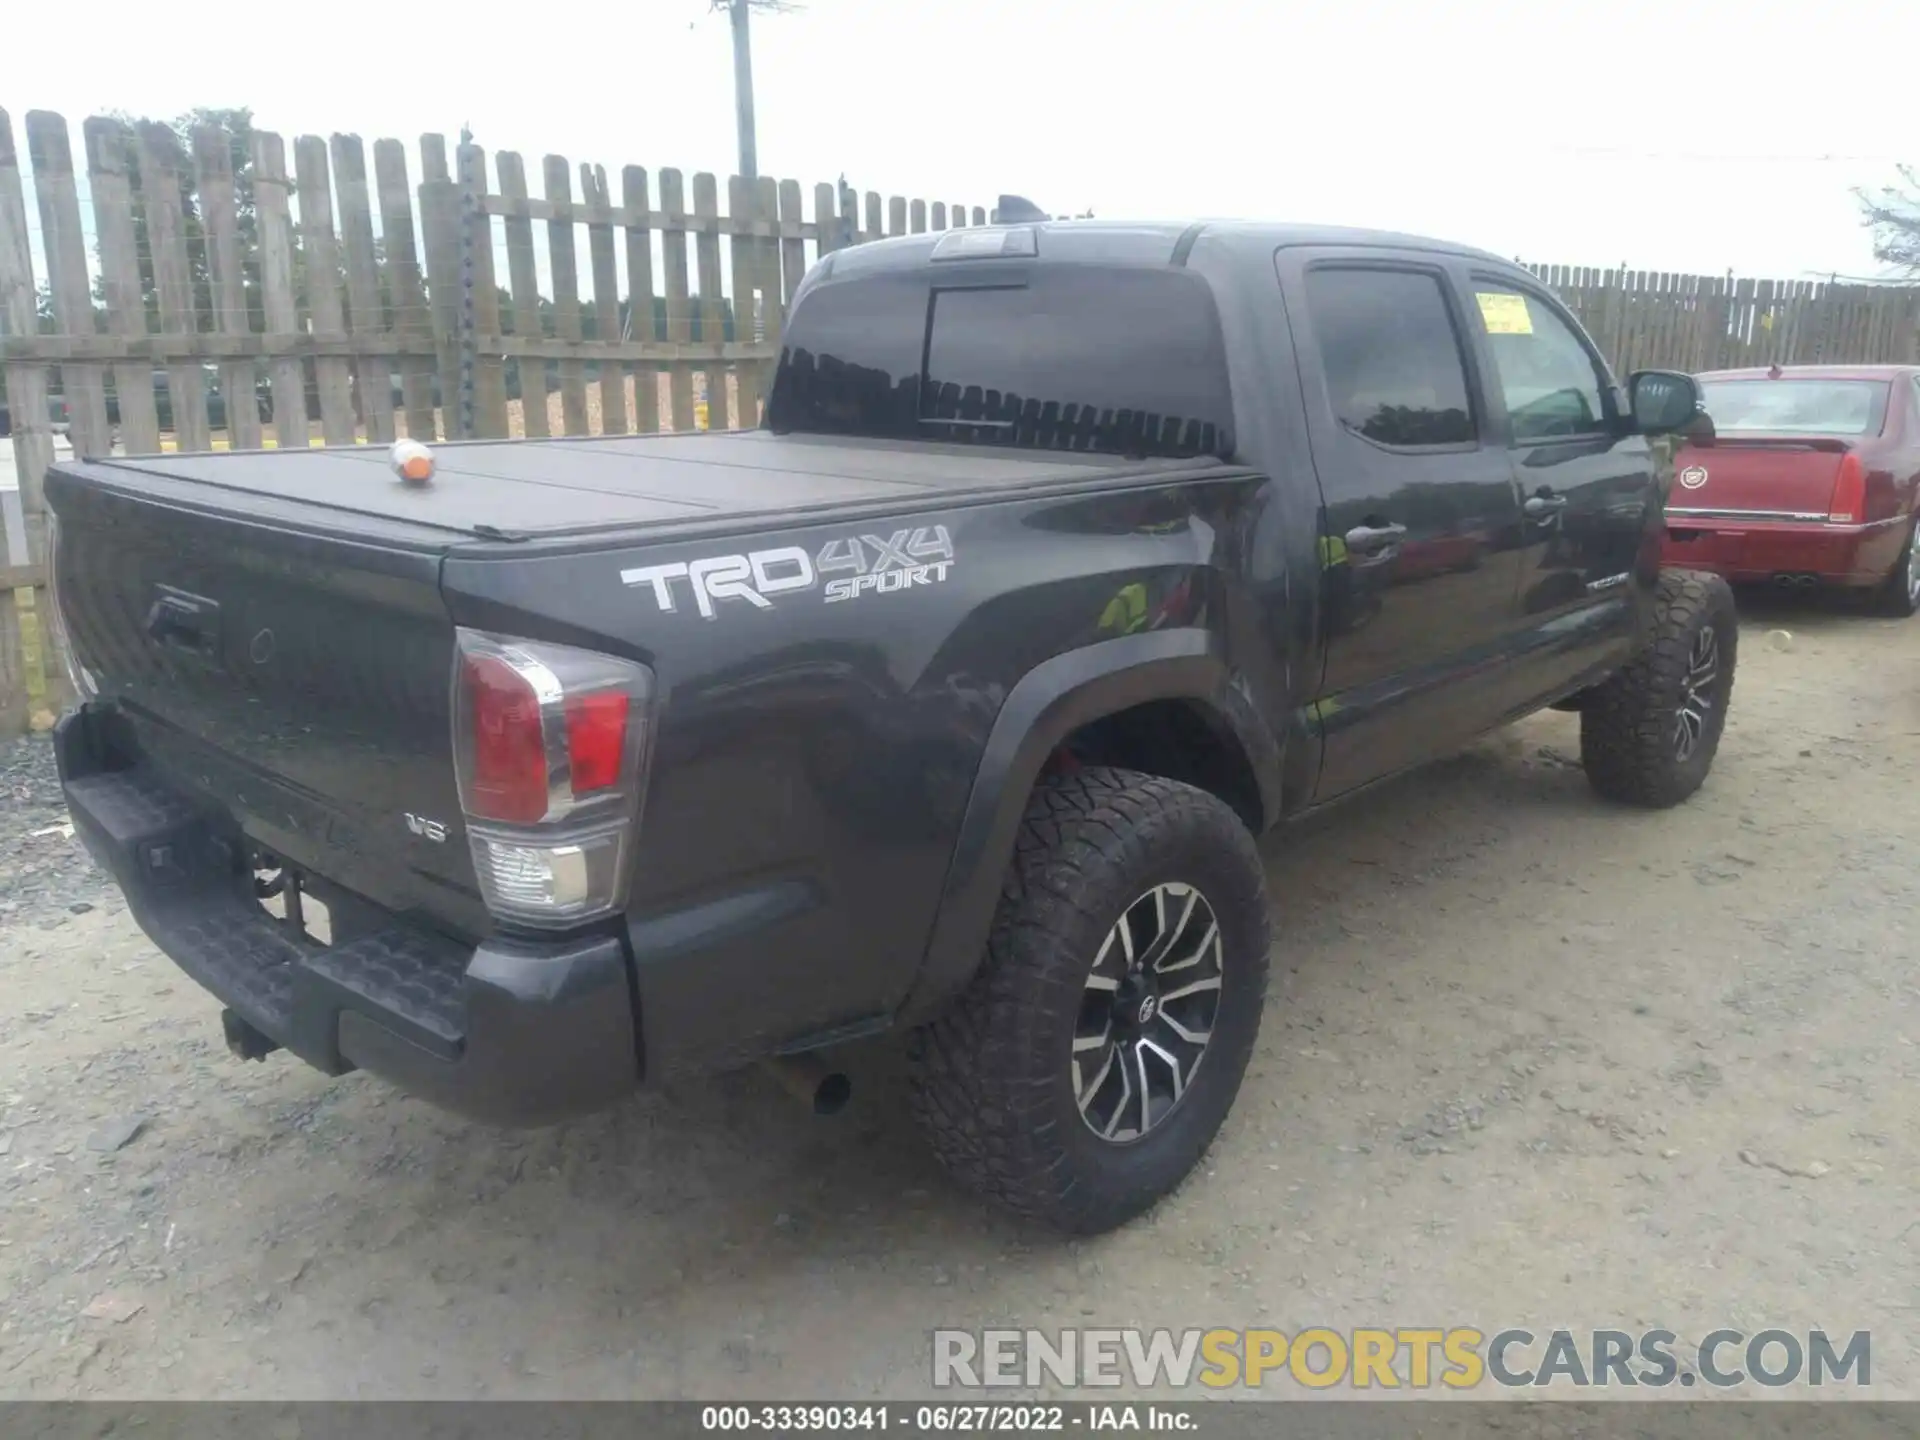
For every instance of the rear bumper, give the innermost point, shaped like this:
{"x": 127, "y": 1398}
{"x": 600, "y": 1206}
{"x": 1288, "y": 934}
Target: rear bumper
{"x": 1765, "y": 549}
{"x": 506, "y": 1032}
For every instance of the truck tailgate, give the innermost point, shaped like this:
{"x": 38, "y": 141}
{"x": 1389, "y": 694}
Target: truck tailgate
{"x": 297, "y": 679}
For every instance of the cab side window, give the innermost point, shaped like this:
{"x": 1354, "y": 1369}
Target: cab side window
{"x": 1551, "y": 382}
{"x": 1391, "y": 355}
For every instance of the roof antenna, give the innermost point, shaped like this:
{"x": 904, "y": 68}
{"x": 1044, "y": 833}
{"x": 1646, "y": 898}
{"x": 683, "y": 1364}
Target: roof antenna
{"x": 1017, "y": 210}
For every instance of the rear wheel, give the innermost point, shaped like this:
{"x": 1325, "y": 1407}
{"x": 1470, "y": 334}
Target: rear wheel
{"x": 1900, "y": 595}
{"x": 1091, "y": 1062}
{"x": 1648, "y": 734}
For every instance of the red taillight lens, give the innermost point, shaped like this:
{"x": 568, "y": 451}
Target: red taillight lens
{"x": 596, "y": 740}
{"x": 1849, "y": 504}
{"x": 509, "y": 776}
{"x": 550, "y": 750}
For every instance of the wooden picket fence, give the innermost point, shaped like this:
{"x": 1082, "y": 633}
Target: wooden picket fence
{"x": 1650, "y": 320}
{"x": 256, "y": 298}
{"x": 301, "y": 327}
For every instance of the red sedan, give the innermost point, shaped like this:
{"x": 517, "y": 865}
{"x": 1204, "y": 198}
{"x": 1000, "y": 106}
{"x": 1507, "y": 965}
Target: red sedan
{"x": 1809, "y": 479}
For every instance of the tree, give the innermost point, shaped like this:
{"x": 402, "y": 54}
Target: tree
{"x": 740, "y": 11}
{"x": 237, "y": 126}
{"x": 1894, "y": 214}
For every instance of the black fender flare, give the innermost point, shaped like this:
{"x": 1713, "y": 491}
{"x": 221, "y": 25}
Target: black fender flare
{"x": 1046, "y": 705}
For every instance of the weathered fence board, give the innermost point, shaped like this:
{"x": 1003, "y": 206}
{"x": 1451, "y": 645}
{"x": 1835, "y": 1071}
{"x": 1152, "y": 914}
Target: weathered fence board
{"x": 109, "y": 149}
{"x": 740, "y": 201}
{"x": 402, "y": 263}
{"x": 606, "y": 296}
{"x": 275, "y": 220}
{"x": 706, "y": 253}
{"x": 161, "y": 173}
{"x": 324, "y": 301}
{"x": 566, "y": 292}
{"x": 23, "y": 671}
{"x": 523, "y": 275}
{"x": 364, "y": 315}
{"x": 68, "y": 291}
{"x": 640, "y": 316}
{"x": 219, "y": 219}
{"x": 673, "y": 249}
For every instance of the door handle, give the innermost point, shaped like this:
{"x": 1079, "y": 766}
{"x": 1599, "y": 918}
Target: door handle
{"x": 1538, "y": 507}
{"x": 1367, "y": 539}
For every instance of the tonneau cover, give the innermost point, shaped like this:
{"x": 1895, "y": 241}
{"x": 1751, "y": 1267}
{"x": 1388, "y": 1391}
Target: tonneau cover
{"x": 512, "y": 489}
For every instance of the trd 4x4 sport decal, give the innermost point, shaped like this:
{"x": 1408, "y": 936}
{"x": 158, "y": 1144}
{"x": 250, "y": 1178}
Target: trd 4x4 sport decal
{"x": 922, "y": 555}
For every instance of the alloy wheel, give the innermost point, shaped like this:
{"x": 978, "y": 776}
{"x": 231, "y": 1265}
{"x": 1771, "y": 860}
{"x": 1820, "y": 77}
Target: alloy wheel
{"x": 1697, "y": 695}
{"x": 1147, "y": 1012}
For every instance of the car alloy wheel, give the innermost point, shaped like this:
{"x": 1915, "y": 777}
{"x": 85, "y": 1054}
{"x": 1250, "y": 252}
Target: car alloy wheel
{"x": 1147, "y": 1012}
{"x": 1697, "y": 695}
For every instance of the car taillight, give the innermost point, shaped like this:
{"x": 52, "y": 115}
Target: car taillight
{"x": 596, "y": 739}
{"x": 550, "y": 746}
{"x": 1849, "y": 503}
{"x": 509, "y": 773}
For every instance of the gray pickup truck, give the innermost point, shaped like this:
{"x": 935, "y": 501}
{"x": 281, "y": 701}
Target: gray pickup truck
{"x": 1069, "y": 559}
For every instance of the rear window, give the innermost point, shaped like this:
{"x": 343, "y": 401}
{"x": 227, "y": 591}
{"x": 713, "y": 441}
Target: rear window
{"x": 1116, "y": 361}
{"x": 1797, "y": 407}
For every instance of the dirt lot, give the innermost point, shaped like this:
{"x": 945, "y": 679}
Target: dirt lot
{"x": 1529, "y": 1060}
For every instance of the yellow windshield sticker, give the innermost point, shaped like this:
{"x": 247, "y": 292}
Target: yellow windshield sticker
{"x": 1504, "y": 312}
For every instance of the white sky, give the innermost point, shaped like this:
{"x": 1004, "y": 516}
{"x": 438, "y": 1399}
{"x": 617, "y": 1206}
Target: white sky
{"x": 1702, "y": 136}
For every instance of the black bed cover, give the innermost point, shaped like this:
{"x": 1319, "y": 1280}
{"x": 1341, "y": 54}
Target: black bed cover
{"x": 533, "y": 489}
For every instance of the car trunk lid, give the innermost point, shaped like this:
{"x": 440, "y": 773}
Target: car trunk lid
{"x": 1759, "y": 477}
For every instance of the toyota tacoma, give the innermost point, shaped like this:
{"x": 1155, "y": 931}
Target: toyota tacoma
{"x": 1068, "y": 559}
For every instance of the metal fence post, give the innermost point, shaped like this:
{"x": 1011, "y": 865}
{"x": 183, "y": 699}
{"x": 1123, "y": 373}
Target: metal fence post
{"x": 469, "y": 225}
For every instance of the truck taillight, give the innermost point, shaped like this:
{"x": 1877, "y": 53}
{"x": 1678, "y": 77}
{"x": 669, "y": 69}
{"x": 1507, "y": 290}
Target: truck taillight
{"x": 1849, "y": 503}
{"x": 550, "y": 746}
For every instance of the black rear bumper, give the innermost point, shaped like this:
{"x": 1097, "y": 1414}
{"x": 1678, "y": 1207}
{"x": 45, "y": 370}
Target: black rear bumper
{"x": 511, "y": 1033}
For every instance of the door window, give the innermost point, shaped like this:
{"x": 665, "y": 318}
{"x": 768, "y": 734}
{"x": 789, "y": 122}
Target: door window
{"x": 1552, "y": 385}
{"x": 1391, "y": 355}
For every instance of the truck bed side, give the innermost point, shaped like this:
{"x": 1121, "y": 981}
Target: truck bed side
{"x": 828, "y": 770}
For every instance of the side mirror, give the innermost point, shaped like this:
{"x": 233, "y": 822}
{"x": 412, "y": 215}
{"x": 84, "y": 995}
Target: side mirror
{"x": 1663, "y": 402}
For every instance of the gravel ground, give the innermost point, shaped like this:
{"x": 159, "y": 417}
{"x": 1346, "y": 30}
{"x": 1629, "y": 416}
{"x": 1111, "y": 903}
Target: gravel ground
{"x": 1529, "y": 1061}
{"x": 44, "y": 874}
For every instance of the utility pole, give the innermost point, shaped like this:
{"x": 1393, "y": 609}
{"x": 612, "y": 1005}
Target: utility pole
{"x": 738, "y": 13}
{"x": 743, "y": 86}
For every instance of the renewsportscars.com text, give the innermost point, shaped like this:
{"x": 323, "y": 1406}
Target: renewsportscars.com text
{"x": 1456, "y": 1358}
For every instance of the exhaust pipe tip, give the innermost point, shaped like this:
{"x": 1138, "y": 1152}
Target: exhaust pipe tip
{"x": 822, "y": 1090}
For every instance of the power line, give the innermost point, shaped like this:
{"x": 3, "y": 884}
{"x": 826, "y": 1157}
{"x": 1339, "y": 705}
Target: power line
{"x": 1705, "y": 157}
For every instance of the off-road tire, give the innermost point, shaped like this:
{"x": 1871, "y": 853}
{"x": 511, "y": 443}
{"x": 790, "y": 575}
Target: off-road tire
{"x": 1628, "y": 722}
{"x": 1895, "y": 597}
{"x": 991, "y": 1083}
